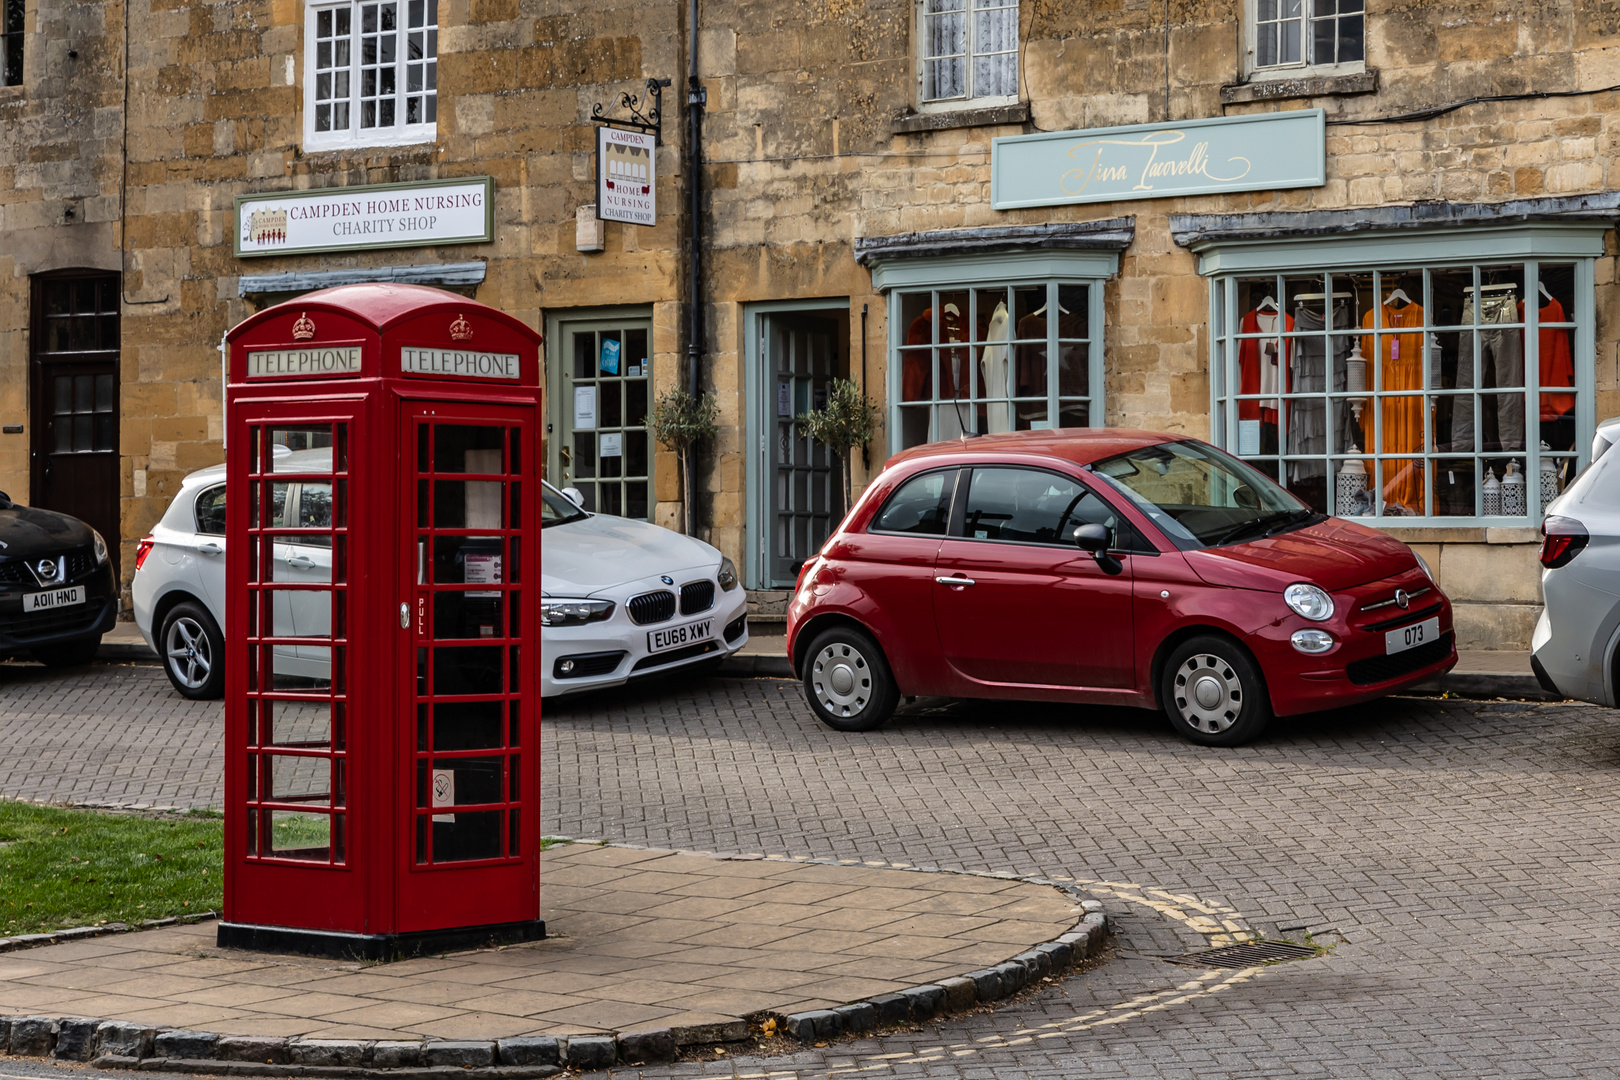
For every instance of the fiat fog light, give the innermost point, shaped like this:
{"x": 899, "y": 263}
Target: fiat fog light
{"x": 1309, "y": 601}
{"x": 1312, "y": 641}
{"x": 574, "y": 612}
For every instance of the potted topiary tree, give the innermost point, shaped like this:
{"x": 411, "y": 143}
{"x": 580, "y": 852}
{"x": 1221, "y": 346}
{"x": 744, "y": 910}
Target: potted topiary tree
{"x": 846, "y": 420}
{"x": 680, "y": 422}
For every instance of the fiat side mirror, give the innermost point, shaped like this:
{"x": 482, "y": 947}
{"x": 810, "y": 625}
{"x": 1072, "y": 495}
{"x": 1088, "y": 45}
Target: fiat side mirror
{"x": 1092, "y": 537}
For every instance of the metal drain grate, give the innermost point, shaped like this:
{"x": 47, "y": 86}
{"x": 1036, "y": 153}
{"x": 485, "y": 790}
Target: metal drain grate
{"x": 1248, "y": 954}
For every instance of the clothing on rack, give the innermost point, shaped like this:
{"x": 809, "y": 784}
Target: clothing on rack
{"x": 994, "y": 372}
{"x": 1308, "y": 416}
{"x": 1554, "y": 359}
{"x": 953, "y": 369}
{"x": 1400, "y": 360}
{"x": 1029, "y": 374}
{"x": 1501, "y": 363}
{"x": 1262, "y": 365}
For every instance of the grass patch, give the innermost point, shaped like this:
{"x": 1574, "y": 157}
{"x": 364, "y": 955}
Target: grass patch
{"x": 63, "y": 868}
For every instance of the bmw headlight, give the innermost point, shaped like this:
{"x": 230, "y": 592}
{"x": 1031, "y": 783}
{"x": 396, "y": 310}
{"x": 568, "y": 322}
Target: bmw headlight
{"x": 1423, "y": 564}
{"x": 101, "y": 547}
{"x": 1309, "y": 601}
{"x": 574, "y": 612}
{"x": 728, "y": 574}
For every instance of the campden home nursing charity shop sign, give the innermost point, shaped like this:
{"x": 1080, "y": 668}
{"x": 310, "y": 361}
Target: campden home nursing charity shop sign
{"x": 1154, "y": 161}
{"x": 372, "y": 216}
{"x": 625, "y": 178}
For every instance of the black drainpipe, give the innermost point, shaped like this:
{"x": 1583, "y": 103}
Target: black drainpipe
{"x": 696, "y": 98}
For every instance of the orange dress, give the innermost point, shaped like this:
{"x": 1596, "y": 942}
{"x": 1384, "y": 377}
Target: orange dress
{"x": 1400, "y": 366}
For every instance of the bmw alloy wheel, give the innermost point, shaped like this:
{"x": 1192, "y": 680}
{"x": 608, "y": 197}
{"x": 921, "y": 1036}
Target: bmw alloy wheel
{"x": 186, "y": 646}
{"x": 842, "y": 679}
{"x": 1208, "y": 693}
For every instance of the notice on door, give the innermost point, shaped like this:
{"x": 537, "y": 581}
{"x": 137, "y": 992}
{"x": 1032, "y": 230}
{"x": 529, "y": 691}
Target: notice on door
{"x": 444, "y": 792}
{"x": 612, "y": 445}
{"x": 584, "y": 408}
{"x": 483, "y": 569}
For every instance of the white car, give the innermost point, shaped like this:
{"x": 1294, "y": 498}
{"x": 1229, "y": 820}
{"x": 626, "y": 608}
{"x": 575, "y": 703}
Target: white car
{"x": 620, "y": 598}
{"x": 179, "y": 583}
{"x": 623, "y": 598}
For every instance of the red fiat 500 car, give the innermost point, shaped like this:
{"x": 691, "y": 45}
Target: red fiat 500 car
{"x": 1108, "y": 567}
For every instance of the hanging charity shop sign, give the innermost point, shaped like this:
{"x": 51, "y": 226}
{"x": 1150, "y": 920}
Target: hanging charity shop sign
{"x": 1265, "y": 152}
{"x": 625, "y": 178}
{"x": 370, "y": 216}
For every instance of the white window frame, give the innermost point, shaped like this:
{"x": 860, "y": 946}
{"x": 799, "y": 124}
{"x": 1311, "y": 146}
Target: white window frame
{"x": 1303, "y": 67}
{"x": 398, "y": 134}
{"x": 968, "y": 99}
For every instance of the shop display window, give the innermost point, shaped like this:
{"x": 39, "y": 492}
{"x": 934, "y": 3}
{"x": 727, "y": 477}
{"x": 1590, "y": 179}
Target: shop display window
{"x": 1410, "y": 392}
{"x": 983, "y": 359}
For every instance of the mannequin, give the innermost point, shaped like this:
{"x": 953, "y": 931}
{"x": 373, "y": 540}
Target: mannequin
{"x": 1263, "y": 368}
{"x": 953, "y": 364}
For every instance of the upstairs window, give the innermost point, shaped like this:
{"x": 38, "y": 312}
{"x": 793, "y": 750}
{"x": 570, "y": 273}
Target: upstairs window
{"x": 969, "y": 51}
{"x": 1295, "y": 37}
{"x": 11, "y": 42}
{"x": 371, "y": 74}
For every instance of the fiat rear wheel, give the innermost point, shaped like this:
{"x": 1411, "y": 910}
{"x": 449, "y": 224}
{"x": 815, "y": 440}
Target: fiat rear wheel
{"x": 1213, "y": 693}
{"x": 847, "y": 681}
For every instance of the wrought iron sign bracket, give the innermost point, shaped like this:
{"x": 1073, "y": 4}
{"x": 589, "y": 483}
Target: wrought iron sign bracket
{"x": 646, "y": 111}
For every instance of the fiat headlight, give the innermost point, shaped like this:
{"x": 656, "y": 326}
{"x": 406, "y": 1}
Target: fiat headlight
{"x": 574, "y": 612}
{"x": 1309, "y": 602}
{"x": 100, "y": 546}
{"x": 1423, "y": 564}
{"x": 728, "y": 574}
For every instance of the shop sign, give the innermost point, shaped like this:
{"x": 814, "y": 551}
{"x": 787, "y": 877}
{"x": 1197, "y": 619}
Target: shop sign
{"x": 1155, "y": 161}
{"x": 626, "y": 182}
{"x": 359, "y": 218}
{"x": 458, "y": 363}
{"x": 314, "y": 361}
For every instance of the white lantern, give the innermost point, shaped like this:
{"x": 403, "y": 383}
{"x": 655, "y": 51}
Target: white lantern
{"x": 1492, "y": 492}
{"x": 1549, "y": 478}
{"x": 1350, "y": 490}
{"x": 1512, "y": 491}
{"x": 1355, "y": 381}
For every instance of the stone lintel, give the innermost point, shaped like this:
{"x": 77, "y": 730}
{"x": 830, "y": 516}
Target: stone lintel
{"x": 1309, "y": 86}
{"x": 1113, "y": 234}
{"x": 910, "y": 123}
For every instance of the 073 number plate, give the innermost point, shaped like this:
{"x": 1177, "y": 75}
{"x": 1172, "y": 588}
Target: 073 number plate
{"x": 1410, "y": 637}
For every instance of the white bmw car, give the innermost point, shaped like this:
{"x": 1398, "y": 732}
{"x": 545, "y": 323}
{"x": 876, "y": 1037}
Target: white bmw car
{"x": 623, "y": 598}
{"x": 620, "y": 598}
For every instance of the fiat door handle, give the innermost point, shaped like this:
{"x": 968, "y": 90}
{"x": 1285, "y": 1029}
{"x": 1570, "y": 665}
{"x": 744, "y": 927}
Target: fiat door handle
{"x": 955, "y": 582}
{"x": 210, "y": 549}
{"x": 301, "y": 562}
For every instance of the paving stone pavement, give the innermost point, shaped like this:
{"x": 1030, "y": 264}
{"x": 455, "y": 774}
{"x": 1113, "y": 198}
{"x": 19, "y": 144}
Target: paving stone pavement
{"x": 1462, "y": 854}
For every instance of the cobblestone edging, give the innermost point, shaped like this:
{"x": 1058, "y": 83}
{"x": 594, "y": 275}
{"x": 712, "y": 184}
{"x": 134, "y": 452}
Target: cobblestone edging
{"x": 117, "y": 1044}
{"x": 79, "y": 933}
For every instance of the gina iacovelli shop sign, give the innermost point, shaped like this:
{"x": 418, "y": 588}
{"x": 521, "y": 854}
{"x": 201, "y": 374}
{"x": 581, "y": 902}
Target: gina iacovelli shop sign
{"x": 373, "y": 216}
{"x": 1156, "y": 161}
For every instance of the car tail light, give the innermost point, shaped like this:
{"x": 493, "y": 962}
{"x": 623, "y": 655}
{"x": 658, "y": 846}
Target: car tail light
{"x": 143, "y": 548}
{"x": 1562, "y": 540}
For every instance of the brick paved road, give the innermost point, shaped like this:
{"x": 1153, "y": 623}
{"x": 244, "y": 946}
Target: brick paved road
{"x": 1465, "y": 851}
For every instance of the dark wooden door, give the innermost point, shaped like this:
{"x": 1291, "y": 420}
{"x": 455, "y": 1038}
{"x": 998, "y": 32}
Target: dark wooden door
{"x": 74, "y": 398}
{"x": 807, "y": 492}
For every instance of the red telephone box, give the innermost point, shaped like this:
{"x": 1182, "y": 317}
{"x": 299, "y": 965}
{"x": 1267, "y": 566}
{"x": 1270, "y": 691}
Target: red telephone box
{"x": 382, "y": 692}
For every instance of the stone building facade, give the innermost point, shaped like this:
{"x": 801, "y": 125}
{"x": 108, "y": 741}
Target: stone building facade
{"x": 849, "y": 201}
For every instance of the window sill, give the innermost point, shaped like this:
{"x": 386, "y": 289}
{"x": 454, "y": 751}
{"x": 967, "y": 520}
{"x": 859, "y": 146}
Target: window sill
{"x": 912, "y": 123}
{"x": 1305, "y": 86}
{"x": 1460, "y": 534}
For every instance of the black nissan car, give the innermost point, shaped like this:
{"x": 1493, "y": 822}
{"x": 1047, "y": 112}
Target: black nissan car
{"x": 58, "y": 592}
